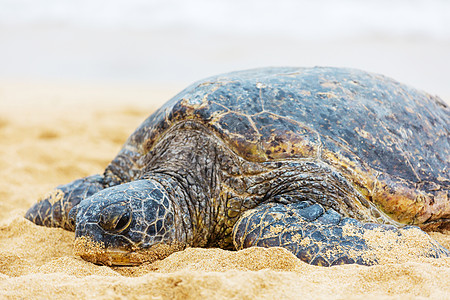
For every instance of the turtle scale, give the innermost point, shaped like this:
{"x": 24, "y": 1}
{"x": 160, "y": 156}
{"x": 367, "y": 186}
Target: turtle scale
{"x": 321, "y": 161}
{"x": 390, "y": 140}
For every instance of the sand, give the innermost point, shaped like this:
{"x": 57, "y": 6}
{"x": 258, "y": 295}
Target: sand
{"x": 53, "y": 133}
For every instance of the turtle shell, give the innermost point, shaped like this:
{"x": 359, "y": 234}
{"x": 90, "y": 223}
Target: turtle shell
{"x": 391, "y": 141}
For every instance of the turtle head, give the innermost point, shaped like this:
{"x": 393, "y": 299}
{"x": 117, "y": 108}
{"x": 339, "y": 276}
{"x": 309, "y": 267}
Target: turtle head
{"x": 127, "y": 224}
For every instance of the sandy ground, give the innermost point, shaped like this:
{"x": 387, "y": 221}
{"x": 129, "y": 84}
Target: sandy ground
{"x": 54, "y": 133}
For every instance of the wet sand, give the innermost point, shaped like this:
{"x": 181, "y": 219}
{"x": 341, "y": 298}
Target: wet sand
{"x": 53, "y": 133}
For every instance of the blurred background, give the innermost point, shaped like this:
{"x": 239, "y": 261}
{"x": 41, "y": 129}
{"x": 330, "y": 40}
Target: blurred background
{"x": 78, "y": 76}
{"x": 174, "y": 42}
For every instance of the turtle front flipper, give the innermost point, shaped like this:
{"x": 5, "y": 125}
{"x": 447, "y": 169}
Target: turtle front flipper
{"x": 323, "y": 237}
{"x": 53, "y": 210}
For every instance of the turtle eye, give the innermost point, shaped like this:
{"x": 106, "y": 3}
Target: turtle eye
{"x": 123, "y": 223}
{"x": 115, "y": 218}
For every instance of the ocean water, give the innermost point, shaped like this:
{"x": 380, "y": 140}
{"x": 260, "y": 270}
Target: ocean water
{"x": 175, "y": 41}
{"x": 296, "y": 19}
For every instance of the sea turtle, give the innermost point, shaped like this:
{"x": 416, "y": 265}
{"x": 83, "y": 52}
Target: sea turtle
{"x": 315, "y": 160}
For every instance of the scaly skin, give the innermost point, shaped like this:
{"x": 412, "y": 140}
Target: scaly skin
{"x": 323, "y": 237}
{"x": 232, "y": 148}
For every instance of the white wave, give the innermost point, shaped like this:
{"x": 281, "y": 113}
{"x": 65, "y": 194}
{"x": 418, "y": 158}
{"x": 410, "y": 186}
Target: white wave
{"x": 298, "y": 19}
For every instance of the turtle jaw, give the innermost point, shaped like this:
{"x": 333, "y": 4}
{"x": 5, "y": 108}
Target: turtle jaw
{"x": 97, "y": 253}
{"x": 436, "y": 225}
{"x": 108, "y": 257}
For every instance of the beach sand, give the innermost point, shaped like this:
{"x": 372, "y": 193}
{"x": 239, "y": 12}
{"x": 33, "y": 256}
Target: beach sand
{"x": 53, "y": 133}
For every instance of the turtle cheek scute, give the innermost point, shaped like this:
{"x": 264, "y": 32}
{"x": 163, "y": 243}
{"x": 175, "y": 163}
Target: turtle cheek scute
{"x": 159, "y": 228}
{"x": 158, "y": 216}
{"x": 136, "y": 235}
{"x": 85, "y": 219}
{"x": 163, "y": 236}
{"x": 90, "y": 230}
{"x": 136, "y": 232}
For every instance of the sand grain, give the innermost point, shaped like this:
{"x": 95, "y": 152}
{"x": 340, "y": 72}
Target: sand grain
{"x": 48, "y": 138}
